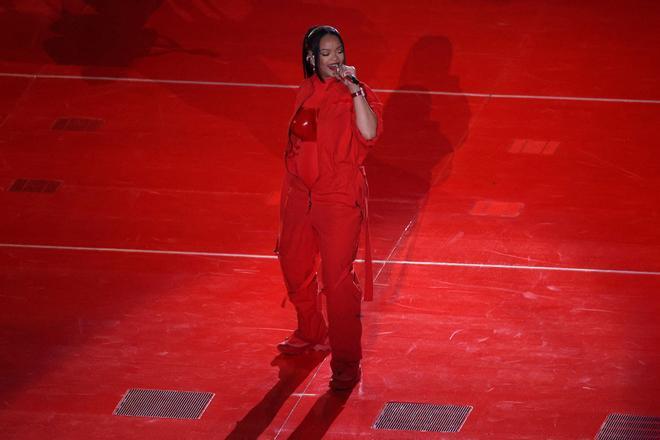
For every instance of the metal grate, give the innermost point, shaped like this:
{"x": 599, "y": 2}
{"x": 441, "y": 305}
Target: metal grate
{"x": 629, "y": 427}
{"x": 34, "y": 185}
{"x": 530, "y": 146}
{"x": 163, "y": 404}
{"x": 77, "y": 124}
{"x": 492, "y": 208}
{"x": 422, "y": 417}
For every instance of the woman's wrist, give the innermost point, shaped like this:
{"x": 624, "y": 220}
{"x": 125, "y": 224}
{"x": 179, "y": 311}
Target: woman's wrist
{"x": 357, "y": 93}
{"x": 353, "y": 87}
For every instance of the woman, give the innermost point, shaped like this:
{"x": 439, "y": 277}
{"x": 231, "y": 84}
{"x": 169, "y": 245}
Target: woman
{"x": 336, "y": 120}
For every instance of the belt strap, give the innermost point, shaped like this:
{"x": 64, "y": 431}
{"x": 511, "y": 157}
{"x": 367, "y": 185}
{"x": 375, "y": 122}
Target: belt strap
{"x": 368, "y": 263}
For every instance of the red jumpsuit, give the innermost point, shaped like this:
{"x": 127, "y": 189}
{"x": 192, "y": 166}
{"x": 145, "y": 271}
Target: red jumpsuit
{"x": 322, "y": 211}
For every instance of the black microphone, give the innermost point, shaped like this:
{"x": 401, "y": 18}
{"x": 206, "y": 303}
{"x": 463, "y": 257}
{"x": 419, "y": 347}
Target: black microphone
{"x": 353, "y": 79}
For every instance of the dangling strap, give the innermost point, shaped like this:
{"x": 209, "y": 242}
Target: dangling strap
{"x": 311, "y": 277}
{"x": 368, "y": 263}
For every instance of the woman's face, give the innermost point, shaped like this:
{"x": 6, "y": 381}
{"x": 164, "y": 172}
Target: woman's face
{"x": 331, "y": 54}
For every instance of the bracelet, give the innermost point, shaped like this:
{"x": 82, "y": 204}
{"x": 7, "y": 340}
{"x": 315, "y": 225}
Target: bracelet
{"x": 360, "y": 92}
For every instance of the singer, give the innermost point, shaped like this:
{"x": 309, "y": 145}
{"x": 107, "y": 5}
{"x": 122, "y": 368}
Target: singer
{"x": 336, "y": 120}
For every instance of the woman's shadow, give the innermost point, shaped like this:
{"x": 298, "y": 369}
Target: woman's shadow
{"x": 426, "y": 121}
{"x": 321, "y": 416}
{"x": 293, "y": 372}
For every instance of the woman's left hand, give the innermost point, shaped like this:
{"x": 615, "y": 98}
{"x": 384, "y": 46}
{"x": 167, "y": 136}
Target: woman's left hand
{"x": 343, "y": 73}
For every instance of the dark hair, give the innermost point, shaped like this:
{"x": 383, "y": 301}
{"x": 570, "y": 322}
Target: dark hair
{"x": 311, "y": 42}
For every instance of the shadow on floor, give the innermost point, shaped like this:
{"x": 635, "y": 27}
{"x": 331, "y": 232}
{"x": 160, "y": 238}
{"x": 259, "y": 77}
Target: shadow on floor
{"x": 293, "y": 371}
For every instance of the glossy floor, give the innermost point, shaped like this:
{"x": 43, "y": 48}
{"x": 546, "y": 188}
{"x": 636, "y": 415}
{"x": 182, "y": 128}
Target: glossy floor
{"x": 514, "y": 216}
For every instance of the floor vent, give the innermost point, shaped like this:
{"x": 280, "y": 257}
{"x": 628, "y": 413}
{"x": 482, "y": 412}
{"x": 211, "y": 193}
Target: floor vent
{"x": 629, "y": 427}
{"x": 35, "y": 186}
{"x": 529, "y": 146}
{"x": 424, "y": 417}
{"x": 77, "y": 124}
{"x": 163, "y": 404}
{"x": 497, "y": 209}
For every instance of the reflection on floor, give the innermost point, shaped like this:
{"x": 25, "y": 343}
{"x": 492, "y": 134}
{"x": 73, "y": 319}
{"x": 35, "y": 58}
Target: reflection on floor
{"x": 516, "y": 236}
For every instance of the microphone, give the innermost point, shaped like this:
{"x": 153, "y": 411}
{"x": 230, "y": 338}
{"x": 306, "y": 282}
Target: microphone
{"x": 348, "y": 76}
{"x": 353, "y": 79}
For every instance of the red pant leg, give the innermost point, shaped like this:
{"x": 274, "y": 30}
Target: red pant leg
{"x": 298, "y": 256}
{"x": 338, "y": 229}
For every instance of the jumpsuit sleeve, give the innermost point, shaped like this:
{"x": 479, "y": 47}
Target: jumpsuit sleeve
{"x": 377, "y": 108}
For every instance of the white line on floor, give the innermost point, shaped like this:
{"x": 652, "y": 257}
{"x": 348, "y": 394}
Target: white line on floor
{"x": 287, "y": 86}
{"x": 274, "y": 257}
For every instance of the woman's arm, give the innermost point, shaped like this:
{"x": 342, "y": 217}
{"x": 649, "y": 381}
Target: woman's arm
{"x": 365, "y": 119}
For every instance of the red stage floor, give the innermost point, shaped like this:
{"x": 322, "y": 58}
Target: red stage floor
{"x": 514, "y": 216}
